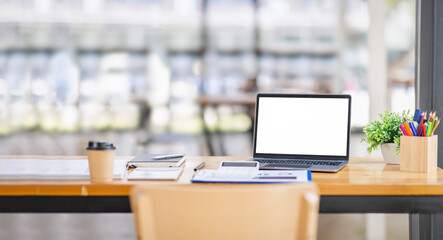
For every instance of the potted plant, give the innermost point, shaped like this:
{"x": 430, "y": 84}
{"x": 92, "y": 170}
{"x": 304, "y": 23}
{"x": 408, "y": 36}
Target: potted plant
{"x": 385, "y": 133}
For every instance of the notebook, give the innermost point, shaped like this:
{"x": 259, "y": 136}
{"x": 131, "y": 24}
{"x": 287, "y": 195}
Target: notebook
{"x": 148, "y": 160}
{"x": 302, "y": 131}
{"x": 157, "y": 173}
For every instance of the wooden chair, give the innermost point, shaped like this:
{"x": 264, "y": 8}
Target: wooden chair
{"x": 225, "y": 211}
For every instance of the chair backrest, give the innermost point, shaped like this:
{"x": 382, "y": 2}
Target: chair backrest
{"x": 225, "y": 211}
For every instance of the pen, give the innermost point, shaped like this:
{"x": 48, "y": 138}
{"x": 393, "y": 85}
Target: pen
{"x": 411, "y": 125}
{"x": 430, "y": 125}
{"x": 200, "y": 166}
{"x": 403, "y": 130}
{"x": 161, "y": 157}
{"x": 407, "y": 128}
{"x": 420, "y": 125}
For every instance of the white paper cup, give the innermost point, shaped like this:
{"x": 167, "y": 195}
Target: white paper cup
{"x": 101, "y": 161}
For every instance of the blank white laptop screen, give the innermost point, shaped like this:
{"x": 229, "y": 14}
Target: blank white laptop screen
{"x": 304, "y": 126}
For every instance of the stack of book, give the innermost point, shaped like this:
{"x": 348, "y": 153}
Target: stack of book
{"x": 156, "y": 166}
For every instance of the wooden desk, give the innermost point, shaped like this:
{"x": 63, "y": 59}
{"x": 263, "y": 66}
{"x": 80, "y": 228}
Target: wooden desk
{"x": 366, "y": 185}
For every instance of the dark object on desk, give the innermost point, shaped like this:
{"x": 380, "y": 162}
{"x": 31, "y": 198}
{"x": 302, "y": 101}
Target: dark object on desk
{"x": 287, "y": 166}
{"x": 200, "y": 166}
{"x": 149, "y": 160}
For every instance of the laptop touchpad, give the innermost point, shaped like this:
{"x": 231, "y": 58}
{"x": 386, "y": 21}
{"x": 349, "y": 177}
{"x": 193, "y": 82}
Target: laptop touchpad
{"x": 287, "y": 166}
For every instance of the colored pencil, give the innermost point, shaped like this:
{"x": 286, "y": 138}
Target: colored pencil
{"x": 435, "y": 127}
{"x": 430, "y": 128}
{"x": 407, "y": 128}
{"x": 403, "y": 130}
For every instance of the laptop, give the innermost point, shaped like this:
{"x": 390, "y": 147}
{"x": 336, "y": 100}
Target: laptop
{"x": 302, "y": 131}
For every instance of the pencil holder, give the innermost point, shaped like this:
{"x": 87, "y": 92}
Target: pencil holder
{"x": 418, "y": 154}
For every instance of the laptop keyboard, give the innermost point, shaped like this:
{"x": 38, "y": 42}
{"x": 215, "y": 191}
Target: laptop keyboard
{"x": 298, "y": 161}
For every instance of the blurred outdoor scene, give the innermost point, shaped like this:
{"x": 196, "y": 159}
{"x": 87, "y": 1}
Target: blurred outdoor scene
{"x": 181, "y": 75}
{"x": 139, "y": 69}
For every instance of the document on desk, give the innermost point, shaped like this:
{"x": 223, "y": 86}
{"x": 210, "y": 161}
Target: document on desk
{"x": 155, "y": 173}
{"x": 262, "y": 176}
{"x": 52, "y": 168}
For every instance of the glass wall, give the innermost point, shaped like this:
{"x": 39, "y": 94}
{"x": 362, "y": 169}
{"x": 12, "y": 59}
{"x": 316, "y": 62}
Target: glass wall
{"x": 135, "y": 69}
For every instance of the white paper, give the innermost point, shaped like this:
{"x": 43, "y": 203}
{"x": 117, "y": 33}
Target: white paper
{"x": 156, "y": 173}
{"x": 52, "y": 168}
{"x": 262, "y": 176}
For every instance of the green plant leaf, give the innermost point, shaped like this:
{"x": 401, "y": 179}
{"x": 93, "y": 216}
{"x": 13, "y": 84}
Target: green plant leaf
{"x": 385, "y": 130}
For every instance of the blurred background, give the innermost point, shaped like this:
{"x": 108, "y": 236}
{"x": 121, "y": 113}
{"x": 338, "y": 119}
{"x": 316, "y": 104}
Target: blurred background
{"x": 140, "y": 69}
{"x": 181, "y": 75}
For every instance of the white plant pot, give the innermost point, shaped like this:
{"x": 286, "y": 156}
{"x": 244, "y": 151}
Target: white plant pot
{"x": 389, "y": 152}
